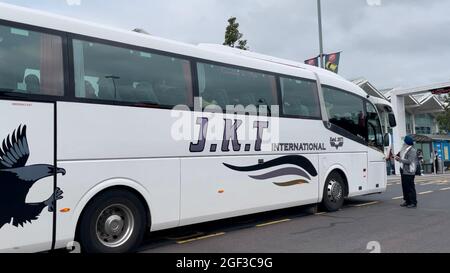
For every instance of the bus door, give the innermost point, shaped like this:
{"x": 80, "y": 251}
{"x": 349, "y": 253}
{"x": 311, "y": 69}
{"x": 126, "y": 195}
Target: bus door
{"x": 27, "y": 176}
{"x": 376, "y": 156}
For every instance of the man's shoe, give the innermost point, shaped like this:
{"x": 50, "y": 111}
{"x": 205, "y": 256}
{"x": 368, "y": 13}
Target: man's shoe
{"x": 411, "y": 206}
{"x": 404, "y": 205}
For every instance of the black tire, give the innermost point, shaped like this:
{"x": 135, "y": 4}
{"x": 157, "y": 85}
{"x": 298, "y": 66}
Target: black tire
{"x": 333, "y": 193}
{"x": 113, "y": 207}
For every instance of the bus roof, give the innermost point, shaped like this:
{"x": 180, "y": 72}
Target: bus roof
{"x": 216, "y": 53}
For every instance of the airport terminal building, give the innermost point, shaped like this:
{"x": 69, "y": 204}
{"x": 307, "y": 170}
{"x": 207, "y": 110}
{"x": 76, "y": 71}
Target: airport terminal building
{"x": 419, "y": 119}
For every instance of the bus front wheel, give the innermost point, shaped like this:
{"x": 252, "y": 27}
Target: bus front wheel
{"x": 114, "y": 222}
{"x": 333, "y": 193}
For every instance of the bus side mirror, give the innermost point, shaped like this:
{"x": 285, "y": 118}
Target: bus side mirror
{"x": 392, "y": 121}
{"x": 387, "y": 141}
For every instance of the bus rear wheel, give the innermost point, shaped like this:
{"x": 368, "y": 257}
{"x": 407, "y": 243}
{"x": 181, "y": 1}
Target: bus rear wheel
{"x": 114, "y": 222}
{"x": 333, "y": 193}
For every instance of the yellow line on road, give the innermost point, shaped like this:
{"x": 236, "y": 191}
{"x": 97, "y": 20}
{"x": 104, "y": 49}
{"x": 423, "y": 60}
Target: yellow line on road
{"x": 425, "y": 192}
{"x": 396, "y": 198}
{"x": 366, "y": 204}
{"x": 273, "y": 223}
{"x": 445, "y": 189}
{"x": 201, "y": 238}
{"x": 185, "y": 237}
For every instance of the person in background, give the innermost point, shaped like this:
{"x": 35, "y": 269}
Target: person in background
{"x": 389, "y": 162}
{"x": 408, "y": 164}
{"x": 436, "y": 161}
{"x": 393, "y": 163}
{"x": 419, "y": 162}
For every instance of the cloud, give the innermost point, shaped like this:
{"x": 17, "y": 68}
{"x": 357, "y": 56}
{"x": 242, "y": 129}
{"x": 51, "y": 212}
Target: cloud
{"x": 374, "y": 2}
{"x": 391, "y": 43}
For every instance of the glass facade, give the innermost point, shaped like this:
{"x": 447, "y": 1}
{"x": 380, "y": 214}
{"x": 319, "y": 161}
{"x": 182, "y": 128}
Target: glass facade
{"x": 425, "y": 124}
{"x": 409, "y": 123}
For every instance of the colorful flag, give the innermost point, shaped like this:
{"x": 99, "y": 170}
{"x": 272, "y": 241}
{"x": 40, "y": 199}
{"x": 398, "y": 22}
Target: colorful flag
{"x": 313, "y": 61}
{"x": 332, "y": 61}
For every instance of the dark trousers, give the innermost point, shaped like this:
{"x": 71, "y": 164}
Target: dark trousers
{"x": 409, "y": 189}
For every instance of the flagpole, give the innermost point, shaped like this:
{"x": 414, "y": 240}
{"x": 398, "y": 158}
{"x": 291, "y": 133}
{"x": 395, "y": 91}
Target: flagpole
{"x": 319, "y": 15}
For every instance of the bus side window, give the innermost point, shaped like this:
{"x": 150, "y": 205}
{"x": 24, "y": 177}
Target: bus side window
{"x": 31, "y": 62}
{"x": 232, "y": 87}
{"x": 300, "y": 98}
{"x": 131, "y": 76}
{"x": 346, "y": 111}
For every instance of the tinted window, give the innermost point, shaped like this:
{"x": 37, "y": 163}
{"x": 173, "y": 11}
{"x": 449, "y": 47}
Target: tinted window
{"x": 30, "y": 62}
{"x": 345, "y": 110}
{"x": 119, "y": 74}
{"x": 300, "y": 98}
{"x": 374, "y": 132}
{"x": 225, "y": 86}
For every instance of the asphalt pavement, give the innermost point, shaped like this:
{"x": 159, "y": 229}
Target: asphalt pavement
{"x": 374, "y": 223}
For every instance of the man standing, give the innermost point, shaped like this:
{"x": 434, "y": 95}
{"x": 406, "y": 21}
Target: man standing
{"x": 408, "y": 164}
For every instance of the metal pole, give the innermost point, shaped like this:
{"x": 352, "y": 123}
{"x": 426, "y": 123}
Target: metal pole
{"x": 319, "y": 15}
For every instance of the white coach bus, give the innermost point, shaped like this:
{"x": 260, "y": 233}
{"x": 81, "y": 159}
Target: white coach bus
{"x": 89, "y": 153}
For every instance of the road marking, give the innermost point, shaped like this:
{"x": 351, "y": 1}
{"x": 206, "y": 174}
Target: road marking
{"x": 425, "y": 192}
{"x": 201, "y": 238}
{"x": 425, "y": 184}
{"x": 445, "y": 189}
{"x": 366, "y": 204}
{"x": 273, "y": 223}
{"x": 185, "y": 237}
{"x": 398, "y": 183}
{"x": 397, "y": 198}
{"x": 320, "y": 213}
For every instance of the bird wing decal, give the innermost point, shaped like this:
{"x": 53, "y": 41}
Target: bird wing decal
{"x": 14, "y": 151}
{"x": 21, "y": 220}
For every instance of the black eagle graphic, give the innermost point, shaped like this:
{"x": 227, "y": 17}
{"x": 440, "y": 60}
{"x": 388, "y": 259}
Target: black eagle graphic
{"x": 16, "y": 179}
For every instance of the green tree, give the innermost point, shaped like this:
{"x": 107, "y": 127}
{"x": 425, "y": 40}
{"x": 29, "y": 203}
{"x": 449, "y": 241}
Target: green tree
{"x": 443, "y": 118}
{"x": 233, "y": 36}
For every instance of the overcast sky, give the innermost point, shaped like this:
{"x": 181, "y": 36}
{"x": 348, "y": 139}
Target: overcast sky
{"x": 392, "y": 43}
